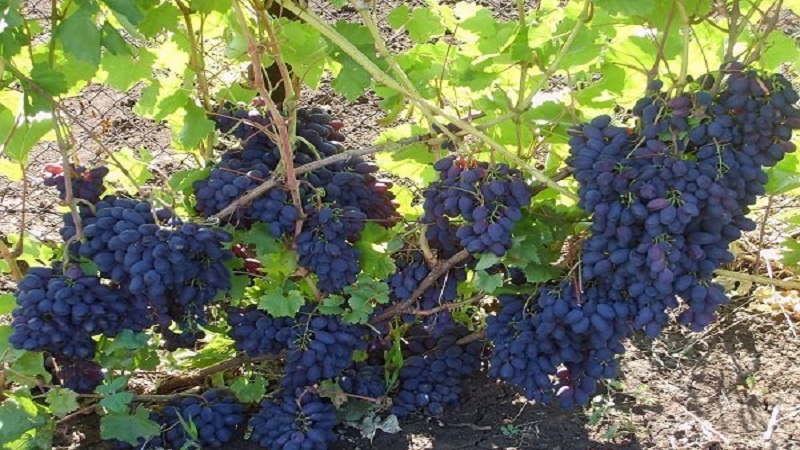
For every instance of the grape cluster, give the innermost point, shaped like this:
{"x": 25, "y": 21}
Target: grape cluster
{"x": 325, "y": 246}
{"x": 320, "y": 347}
{"x": 667, "y": 198}
{"x": 349, "y": 185}
{"x": 430, "y": 379}
{"x": 556, "y": 334}
{"x": 61, "y": 312}
{"x": 364, "y": 381}
{"x": 257, "y": 333}
{"x": 489, "y": 200}
{"x": 302, "y": 421}
{"x": 171, "y": 269}
{"x": 87, "y": 184}
{"x": 215, "y": 415}
{"x": 80, "y": 375}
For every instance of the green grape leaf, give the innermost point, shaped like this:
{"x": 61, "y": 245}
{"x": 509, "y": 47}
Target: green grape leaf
{"x": 48, "y": 79}
{"x": 62, "y": 401}
{"x": 163, "y": 17}
{"x": 362, "y": 297}
{"x": 34, "y": 253}
{"x": 112, "y": 40}
{"x": 352, "y": 79}
{"x": 126, "y": 8}
{"x": 28, "y": 369}
{"x": 394, "y": 359}
{"x": 488, "y": 283}
{"x": 304, "y": 49}
{"x": 19, "y": 415}
{"x": 423, "y": 25}
{"x": 113, "y": 385}
{"x": 7, "y": 303}
{"x": 219, "y": 349}
{"x": 332, "y": 305}
{"x": 79, "y": 34}
{"x": 8, "y": 354}
{"x": 375, "y": 261}
{"x": 29, "y": 132}
{"x": 280, "y": 304}
{"x": 398, "y": 16}
{"x": 196, "y": 126}
{"x": 117, "y": 402}
{"x": 414, "y": 162}
{"x": 518, "y": 48}
{"x": 334, "y": 392}
{"x": 487, "y": 260}
{"x": 791, "y": 252}
{"x": 536, "y": 273}
{"x": 122, "y": 71}
{"x": 135, "y": 163}
{"x": 128, "y": 427}
{"x": 12, "y": 170}
{"x": 785, "y": 176}
{"x": 127, "y": 351}
{"x": 184, "y": 179}
{"x": 249, "y": 390}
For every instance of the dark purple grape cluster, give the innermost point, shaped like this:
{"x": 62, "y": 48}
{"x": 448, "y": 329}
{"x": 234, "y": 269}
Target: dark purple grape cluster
{"x": 80, "y": 375}
{"x": 488, "y": 199}
{"x": 325, "y": 246}
{"x": 352, "y": 183}
{"x": 557, "y": 334}
{"x": 667, "y": 198}
{"x": 87, "y": 184}
{"x": 349, "y": 185}
{"x": 171, "y": 269}
{"x": 364, "y": 381}
{"x": 302, "y": 421}
{"x": 321, "y": 347}
{"x": 430, "y": 379}
{"x": 257, "y": 333}
{"x": 215, "y": 415}
{"x": 61, "y": 312}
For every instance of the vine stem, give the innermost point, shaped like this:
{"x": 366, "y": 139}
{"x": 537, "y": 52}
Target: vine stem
{"x": 382, "y": 77}
{"x": 13, "y": 266}
{"x": 360, "y": 397}
{"x": 686, "y": 31}
{"x": 314, "y": 165}
{"x": 200, "y": 375}
{"x": 447, "y": 306}
{"x": 653, "y": 73}
{"x": 758, "y": 279}
{"x": 197, "y": 64}
{"x": 380, "y": 45}
{"x": 753, "y": 51}
{"x": 550, "y": 71}
{"x": 69, "y": 199}
{"x": 278, "y": 121}
{"x": 762, "y": 231}
{"x": 476, "y": 336}
{"x": 437, "y": 272}
{"x": 151, "y": 398}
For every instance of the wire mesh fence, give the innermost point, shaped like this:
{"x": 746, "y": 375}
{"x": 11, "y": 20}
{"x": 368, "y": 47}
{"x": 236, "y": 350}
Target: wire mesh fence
{"x": 101, "y": 121}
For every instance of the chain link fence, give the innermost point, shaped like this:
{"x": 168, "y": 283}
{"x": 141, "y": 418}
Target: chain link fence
{"x": 101, "y": 121}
